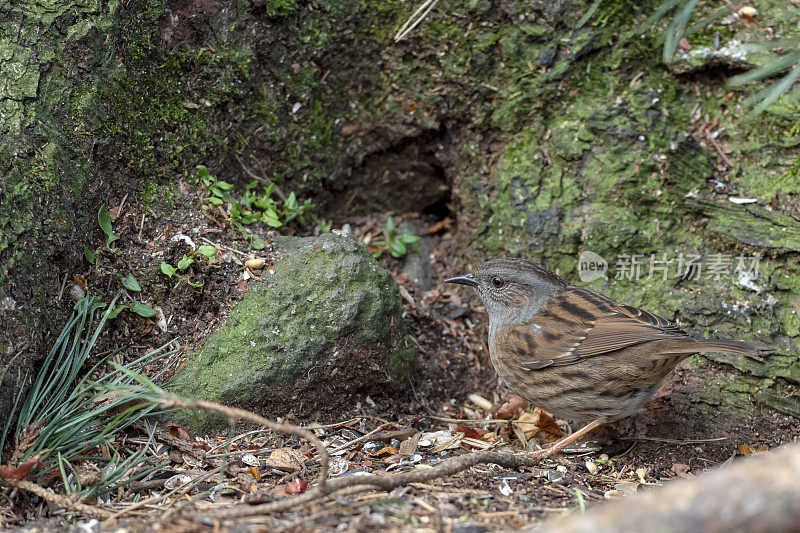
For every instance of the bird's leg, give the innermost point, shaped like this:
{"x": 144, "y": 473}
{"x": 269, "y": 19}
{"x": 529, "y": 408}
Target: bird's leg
{"x": 569, "y": 439}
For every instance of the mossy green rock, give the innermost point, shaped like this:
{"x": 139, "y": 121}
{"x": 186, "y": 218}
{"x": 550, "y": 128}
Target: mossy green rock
{"x": 325, "y": 326}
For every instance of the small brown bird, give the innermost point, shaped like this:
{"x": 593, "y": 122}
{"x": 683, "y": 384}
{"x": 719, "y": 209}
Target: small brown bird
{"x": 575, "y": 352}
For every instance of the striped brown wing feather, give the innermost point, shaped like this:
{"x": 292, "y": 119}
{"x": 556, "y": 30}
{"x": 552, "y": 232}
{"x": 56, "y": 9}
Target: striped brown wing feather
{"x": 579, "y": 323}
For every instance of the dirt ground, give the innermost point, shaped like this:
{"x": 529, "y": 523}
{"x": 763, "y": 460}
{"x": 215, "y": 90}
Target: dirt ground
{"x": 442, "y": 412}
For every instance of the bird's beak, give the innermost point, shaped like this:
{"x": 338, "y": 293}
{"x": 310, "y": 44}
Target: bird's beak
{"x": 468, "y": 280}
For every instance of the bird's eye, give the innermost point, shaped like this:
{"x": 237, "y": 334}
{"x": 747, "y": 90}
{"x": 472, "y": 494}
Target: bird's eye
{"x": 497, "y": 282}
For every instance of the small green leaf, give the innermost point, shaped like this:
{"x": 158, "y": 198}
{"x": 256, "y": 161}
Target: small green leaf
{"x": 389, "y": 227}
{"x": 202, "y": 170}
{"x": 265, "y": 203}
{"x": 143, "y": 310}
{"x": 116, "y": 310}
{"x": 255, "y": 242}
{"x": 397, "y": 248}
{"x": 377, "y": 253}
{"x": 207, "y": 251}
{"x": 291, "y": 202}
{"x": 88, "y": 255}
{"x": 271, "y": 218}
{"x": 104, "y": 219}
{"x": 214, "y": 200}
{"x": 409, "y": 238}
{"x": 168, "y": 269}
{"x": 185, "y": 262}
{"x": 223, "y": 185}
{"x": 131, "y": 283}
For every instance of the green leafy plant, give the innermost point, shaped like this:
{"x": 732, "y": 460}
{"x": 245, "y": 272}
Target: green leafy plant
{"x": 294, "y": 210}
{"x": 88, "y": 255}
{"x": 396, "y": 243}
{"x": 256, "y": 242}
{"x": 782, "y": 56}
{"x": 253, "y": 206}
{"x": 68, "y": 413}
{"x": 104, "y": 220}
{"x": 186, "y": 261}
{"x": 130, "y": 283}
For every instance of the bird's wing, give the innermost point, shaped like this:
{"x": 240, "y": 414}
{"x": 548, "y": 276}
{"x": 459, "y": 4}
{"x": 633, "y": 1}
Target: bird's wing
{"x": 579, "y": 323}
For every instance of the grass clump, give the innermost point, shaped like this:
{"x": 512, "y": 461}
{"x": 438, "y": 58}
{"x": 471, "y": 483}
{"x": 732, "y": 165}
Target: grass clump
{"x": 71, "y": 416}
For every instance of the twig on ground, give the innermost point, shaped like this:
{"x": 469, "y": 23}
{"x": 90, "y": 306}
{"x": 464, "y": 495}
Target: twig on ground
{"x": 223, "y": 247}
{"x": 674, "y": 441}
{"x": 312, "y": 427}
{"x": 366, "y": 482}
{"x": 473, "y": 421}
{"x": 362, "y": 438}
{"x": 59, "y": 500}
{"x": 710, "y": 138}
{"x": 261, "y": 179}
{"x": 182, "y": 489}
{"x": 446, "y": 489}
{"x": 291, "y": 429}
{"x": 415, "y": 19}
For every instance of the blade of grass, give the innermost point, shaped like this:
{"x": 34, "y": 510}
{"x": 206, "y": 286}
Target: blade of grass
{"x": 773, "y": 93}
{"x": 657, "y": 15}
{"x": 708, "y": 20}
{"x": 772, "y": 68}
{"x": 676, "y": 28}
{"x": 585, "y": 18}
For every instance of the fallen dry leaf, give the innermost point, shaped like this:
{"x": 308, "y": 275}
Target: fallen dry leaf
{"x": 296, "y": 486}
{"x": 21, "y": 472}
{"x": 471, "y": 432}
{"x": 409, "y": 446}
{"x": 681, "y": 469}
{"x": 513, "y": 407}
{"x": 284, "y": 459}
{"x": 177, "y": 430}
{"x": 744, "y": 449}
{"x": 539, "y": 424}
{"x": 384, "y": 452}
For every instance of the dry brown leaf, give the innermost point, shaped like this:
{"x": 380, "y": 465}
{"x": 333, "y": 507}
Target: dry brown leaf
{"x": 177, "y": 430}
{"x": 22, "y": 471}
{"x": 744, "y": 449}
{"x": 513, "y": 407}
{"x": 384, "y": 452}
{"x": 681, "y": 469}
{"x": 409, "y": 446}
{"x": 539, "y": 424}
{"x": 284, "y": 459}
{"x": 296, "y": 486}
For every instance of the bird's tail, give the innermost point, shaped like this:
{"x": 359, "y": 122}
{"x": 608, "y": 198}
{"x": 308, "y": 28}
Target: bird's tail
{"x": 756, "y": 351}
{"x": 745, "y": 348}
